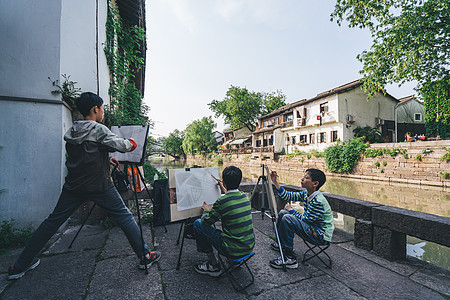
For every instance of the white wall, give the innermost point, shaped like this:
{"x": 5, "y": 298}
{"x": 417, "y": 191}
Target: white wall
{"x": 78, "y": 45}
{"x": 365, "y": 111}
{"x": 29, "y": 47}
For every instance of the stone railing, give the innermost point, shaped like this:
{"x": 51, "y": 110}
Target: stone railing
{"x": 383, "y": 228}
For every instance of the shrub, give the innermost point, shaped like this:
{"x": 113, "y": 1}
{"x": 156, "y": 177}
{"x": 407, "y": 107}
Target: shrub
{"x": 373, "y": 152}
{"x": 446, "y": 156}
{"x": 384, "y": 163}
{"x": 418, "y": 157}
{"x": 342, "y": 157}
{"x": 12, "y": 237}
{"x": 445, "y": 175}
{"x": 377, "y": 164}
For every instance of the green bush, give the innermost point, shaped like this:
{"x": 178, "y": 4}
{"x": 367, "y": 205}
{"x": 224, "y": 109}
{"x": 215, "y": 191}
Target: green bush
{"x": 377, "y": 164}
{"x": 445, "y": 175}
{"x": 12, "y": 237}
{"x": 342, "y": 157}
{"x": 373, "y": 152}
{"x": 384, "y": 163}
{"x": 317, "y": 154}
{"x": 418, "y": 157}
{"x": 446, "y": 156}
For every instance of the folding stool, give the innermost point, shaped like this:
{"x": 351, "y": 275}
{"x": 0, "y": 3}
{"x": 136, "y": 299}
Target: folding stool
{"x": 236, "y": 263}
{"x": 313, "y": 248}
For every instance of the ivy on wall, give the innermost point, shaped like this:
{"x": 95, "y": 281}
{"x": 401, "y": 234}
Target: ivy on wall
{"x": 124, "y": 59}
{"x": 436, "y": 97}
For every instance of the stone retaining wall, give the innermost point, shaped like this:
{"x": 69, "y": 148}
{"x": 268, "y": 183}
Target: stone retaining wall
{"x": 428, "y": 171}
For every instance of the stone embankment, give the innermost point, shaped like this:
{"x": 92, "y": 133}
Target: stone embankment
{"x": 421, "y": 163}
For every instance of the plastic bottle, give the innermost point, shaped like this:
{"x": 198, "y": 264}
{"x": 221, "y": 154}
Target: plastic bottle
{"x": 155, "y": 177}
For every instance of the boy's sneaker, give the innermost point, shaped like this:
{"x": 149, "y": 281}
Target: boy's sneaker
{"x": 207, "y": 269}
{"x": 291, "y": 262}
{"x": 274, "y": 246}
{"x": 149, "y": 259}
{"x": 13, "y": 273}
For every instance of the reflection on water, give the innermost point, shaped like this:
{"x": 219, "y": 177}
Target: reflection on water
{"x": 428, "y": 199}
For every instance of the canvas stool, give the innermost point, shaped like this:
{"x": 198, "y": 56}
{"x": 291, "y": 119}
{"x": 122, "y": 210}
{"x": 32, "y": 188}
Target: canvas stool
{"x": 234, "y": 264}
{"x": 315, "y": 251}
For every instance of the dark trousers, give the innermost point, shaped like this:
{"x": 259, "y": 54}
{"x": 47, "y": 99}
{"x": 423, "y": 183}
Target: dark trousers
{"x": 208, "y": 237}
{"x": 68, "y": 202}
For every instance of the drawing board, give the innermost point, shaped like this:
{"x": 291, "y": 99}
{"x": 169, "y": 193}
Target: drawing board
{"x": 270, "y": 194}
{"x": 189, "y": 188}
{"x": 140, "y": 134}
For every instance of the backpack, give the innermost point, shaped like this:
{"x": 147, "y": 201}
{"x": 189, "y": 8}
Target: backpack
{"x": 120, "y": 180}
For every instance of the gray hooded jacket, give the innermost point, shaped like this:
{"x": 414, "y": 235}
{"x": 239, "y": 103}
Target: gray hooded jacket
{"x": 88, "y": 144}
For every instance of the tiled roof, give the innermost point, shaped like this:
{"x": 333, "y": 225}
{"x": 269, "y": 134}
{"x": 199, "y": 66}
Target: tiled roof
{"x": 406, "y": 99}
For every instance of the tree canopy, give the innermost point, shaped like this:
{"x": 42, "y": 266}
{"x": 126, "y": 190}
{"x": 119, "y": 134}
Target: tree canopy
{"x": 240, "y": 107}
{"x": 411, "y": 39}
{"x": 199, "y": 136}
{"x": 173, "y": 143}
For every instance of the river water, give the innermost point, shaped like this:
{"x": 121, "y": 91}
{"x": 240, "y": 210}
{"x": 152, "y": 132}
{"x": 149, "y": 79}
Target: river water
{"x": 428, "y": 199}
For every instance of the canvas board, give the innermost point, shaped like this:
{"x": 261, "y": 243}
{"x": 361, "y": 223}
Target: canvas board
{"x": 270, "y": 194}
{"x": 140, "y": 134}
{"x": 189, "y": 189}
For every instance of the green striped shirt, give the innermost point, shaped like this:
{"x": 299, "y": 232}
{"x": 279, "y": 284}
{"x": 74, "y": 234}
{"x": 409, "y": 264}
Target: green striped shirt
{"x": 234, "y": 210}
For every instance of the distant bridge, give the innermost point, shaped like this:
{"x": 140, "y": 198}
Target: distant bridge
{"x": 161, "y": 151}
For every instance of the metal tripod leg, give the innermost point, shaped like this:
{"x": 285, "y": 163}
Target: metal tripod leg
{"x": 139, "y": 215}
{"x": 81, "y": 227}
{"x": 151, "y": 199}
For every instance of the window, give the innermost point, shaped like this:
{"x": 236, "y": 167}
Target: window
{"x": 258, "y": 143}
{"x": 417, "y": 117}
{"x": 293, "y": 140}
{"x": 289, "y": 117}
{"x": 324, "y": 108}
{"x": 312, "y": 138}
{"x": 271, "y": 140}
{"x": 334, "y": 136}
{"x": 322, "y": 137}
{"x": 303, "y": 138}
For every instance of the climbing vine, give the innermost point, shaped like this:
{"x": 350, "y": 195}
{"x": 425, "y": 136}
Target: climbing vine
{"x": 436, "y": 97}
{"x": 124, "y": 58}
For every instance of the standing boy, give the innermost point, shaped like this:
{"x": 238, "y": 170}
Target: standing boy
{"x": 315, "y": 225}
{"x": 88, "y": 144}
{"x": 236, "y": 238}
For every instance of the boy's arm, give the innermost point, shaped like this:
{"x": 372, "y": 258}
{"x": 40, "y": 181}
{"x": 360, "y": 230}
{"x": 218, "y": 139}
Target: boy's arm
{"x": 112, "y": 141}
{"x": 291, "y": 196}
{"x": 210, "y": 217}
{"x": 314, "y": 212}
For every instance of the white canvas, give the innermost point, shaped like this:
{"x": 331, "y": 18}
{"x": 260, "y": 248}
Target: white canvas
{"x": 196, "y": 186}
{"x": 139, "y": 134}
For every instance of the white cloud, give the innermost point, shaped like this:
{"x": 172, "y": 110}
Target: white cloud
{"x": 255, "y": 11}
{"x": 184, "y": 14}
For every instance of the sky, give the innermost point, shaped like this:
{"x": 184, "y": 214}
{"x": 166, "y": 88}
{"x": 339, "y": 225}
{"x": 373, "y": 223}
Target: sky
{"x": 197, "y": 49}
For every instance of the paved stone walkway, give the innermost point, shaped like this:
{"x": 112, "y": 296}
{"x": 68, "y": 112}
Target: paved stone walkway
{"x": 101, "y": 265}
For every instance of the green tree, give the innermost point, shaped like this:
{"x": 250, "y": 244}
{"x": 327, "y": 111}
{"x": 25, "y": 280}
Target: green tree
{"x": 436, "y": 97}
{"x": 411, "y": 39}
{"x": 273, "y": 101}
{"x": 199, "y": 136}
{"x": 241, "y": 107}
{"x": 174, "y": 142}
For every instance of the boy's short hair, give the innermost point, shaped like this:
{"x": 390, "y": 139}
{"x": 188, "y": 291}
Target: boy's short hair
{"x": 232, "y": 177}
{"x": 317, "y": 175}
{"x": 86, "y": 101}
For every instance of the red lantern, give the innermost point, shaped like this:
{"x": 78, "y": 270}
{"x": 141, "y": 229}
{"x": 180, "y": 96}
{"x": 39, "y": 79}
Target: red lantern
{"x": 318, "y": 118}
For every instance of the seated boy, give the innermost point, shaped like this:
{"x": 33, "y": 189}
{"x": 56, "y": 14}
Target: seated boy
{"x": 88, "y": 144}
{"x": 236, "y": 238}
{"x": 315, "y": 225}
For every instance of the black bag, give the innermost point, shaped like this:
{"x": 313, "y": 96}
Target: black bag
{"x": 161, "y": 211}
{"x": 120, "y": 180}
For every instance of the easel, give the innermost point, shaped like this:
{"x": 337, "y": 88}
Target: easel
{"x": 267, "y": 193}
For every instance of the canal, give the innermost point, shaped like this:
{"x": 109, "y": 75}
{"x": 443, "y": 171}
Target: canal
{"x": 428, "y": 199}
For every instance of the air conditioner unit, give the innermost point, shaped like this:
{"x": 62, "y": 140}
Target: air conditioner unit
{"x": 379, "y": 122}
{"x": 350, "y": 119}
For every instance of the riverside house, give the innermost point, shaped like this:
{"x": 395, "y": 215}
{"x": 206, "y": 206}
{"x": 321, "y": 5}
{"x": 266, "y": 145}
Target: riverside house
{"x": 317, "y": 122}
